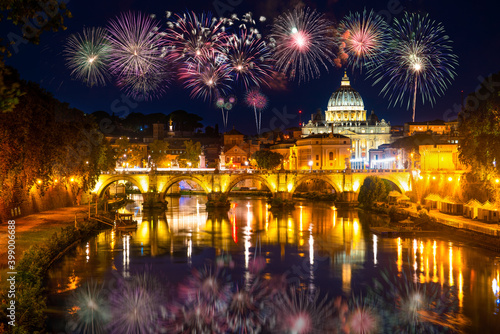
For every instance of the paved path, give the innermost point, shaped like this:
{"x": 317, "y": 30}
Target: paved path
{"x": 29, "y": 229}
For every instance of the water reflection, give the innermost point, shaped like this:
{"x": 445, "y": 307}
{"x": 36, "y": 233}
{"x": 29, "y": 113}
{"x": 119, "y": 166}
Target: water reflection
{"x": 316, "y": 246}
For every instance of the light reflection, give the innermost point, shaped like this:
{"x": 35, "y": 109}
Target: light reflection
{"x": 451, "y": 265}
{"x": 126, "y": 255}
{"x": 375, "y": 249}
{"x": 87, "y": 251}
{"x": 400, "y": 256}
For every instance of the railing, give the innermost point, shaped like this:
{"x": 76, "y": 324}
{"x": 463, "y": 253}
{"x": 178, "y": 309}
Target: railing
{"x": 132, "y": 171}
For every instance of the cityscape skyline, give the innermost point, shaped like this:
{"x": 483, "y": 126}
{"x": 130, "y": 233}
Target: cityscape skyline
{"x": 283, "y": 107}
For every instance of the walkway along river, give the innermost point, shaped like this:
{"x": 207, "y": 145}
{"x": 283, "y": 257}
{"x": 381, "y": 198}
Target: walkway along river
{"x": 315, "y": 247}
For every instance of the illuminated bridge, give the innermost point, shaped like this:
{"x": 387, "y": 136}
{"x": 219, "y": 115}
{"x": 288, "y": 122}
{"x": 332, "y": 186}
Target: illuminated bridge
{"x": 281, "y": 183}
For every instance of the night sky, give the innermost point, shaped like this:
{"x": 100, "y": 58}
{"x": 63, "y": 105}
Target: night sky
{"x": 472, "y": 26}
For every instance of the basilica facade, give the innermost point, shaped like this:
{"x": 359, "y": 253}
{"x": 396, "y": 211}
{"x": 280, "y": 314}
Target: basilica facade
{"x": 346, "y": 116}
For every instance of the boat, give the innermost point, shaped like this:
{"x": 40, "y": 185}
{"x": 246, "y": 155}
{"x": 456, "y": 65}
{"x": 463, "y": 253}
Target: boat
{"x": 125, "y": 221}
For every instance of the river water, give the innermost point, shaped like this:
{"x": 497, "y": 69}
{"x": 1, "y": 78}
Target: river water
{"x": 315, "y": 246}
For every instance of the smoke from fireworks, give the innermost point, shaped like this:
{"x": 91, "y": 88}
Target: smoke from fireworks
{"x": 304, "y": 42}
{"x": 87, "y": 56}
{"x": 137, "y": 57}
{"x": 258, "y": 101}
{"x": 363, "y": 37}
{"x": 419, "y": 60}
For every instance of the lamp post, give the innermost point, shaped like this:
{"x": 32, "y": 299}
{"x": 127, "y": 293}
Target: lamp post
{"x": 310, "y": 165}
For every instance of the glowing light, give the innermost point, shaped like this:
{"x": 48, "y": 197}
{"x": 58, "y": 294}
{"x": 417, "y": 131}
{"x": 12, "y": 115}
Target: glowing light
{"x": 450, "y": 179}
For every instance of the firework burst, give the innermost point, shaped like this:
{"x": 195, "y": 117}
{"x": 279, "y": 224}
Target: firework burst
{"x": 90, "y": 310}
{"x": 137, "y": 58}
{"x": 136, "y": 306}
{"x": 87, "y": 56}
{"x": 419, "y": 60}
{"x": 301, "y": 313}
{"x": 249, "y": 310}
{"x": 205, "y": 78}
{"x": 258, "y": 101}
{"x": 363, "y": 39}
{"x": 191, "y": 36}
{"x": 304, "y": 41}
{"x": 249, "y": 58}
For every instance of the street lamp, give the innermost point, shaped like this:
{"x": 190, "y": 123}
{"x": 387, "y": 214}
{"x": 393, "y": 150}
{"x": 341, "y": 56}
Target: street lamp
{"x": 189, "y": 164}
{"x": 311, "y": 165}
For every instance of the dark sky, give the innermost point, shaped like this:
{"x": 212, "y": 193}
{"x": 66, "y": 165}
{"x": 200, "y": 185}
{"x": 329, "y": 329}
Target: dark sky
{"x": 471, "y": 25}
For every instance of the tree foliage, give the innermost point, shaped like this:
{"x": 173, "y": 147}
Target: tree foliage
{"x": 191, "y": 153}
{"x": 158, "y": 150}
{"x": 267, "y": 159}
{"x": 45, "y": 142}
{"x": 374, "y": 189}
{"x": 479, "y": 127}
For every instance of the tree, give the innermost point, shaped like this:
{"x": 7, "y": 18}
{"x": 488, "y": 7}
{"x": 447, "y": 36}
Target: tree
{"x": 158, "y": 150}
{"x": 374, "y": 189}
{"x": 191, "y": 153}
{"x": 267, "y": 159}
{"x": 479, "y": 127}
{"x": 184, "y": 121}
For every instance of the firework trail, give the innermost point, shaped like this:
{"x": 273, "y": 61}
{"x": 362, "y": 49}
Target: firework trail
{"x": 419, "y": 59}
{"x": 225, "y": 104}
{"x": 249, "y": 58}
{"x": 205, "y": 78}
{"x": 88, "y": 55}
{"x": 137, "y": 58}
{"x": 89, "y": 311}
{"x": 303, "y": 41}
{"x": 363, "y": 38}
{"x": 258, "y": 101}
{"x": 191, "y": 37}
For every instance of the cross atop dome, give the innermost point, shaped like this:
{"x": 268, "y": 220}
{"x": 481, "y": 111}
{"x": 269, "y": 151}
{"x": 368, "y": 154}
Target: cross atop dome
{"x": 345, "y": 80}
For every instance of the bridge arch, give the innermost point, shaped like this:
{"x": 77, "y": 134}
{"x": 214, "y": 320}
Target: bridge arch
{"x": 388, "y": 177}
{"x": 259, "y": 178}
{"x": 185, "y": 177}
{"x": 120, "y": 177}
{"x": 307, "y": 177}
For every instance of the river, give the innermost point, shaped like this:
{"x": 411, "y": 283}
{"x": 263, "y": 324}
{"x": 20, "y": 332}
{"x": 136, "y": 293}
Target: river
{"x": 315, "y": 246}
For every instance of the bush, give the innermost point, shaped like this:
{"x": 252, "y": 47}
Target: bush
{"x": 419, "y": 207}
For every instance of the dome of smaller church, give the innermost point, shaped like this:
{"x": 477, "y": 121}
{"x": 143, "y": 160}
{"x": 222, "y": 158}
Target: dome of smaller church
{"x": 345, "y": 98}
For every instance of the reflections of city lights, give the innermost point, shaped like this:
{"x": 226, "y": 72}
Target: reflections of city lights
{"x": 434, "y": 268}
{"x": 346, "y": 277}
{"x": 460, "y": 289}
{"x": 375, "y": 239}
{"x": 451, "y": 266}
{"x": 189, "y": 251}
{"x": 400, "y": 256}
{"x": 87, "y": 251}
{"x": 495, "y": 287}
{"x": 415, "y": 248}
{"x": 311, "y": 249}
{"x": 126, "y": 255}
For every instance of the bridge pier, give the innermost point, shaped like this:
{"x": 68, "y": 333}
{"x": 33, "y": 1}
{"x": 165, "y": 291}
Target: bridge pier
{"x": 282, "y": 200}
{"x": 218, "y": 200}
{"x": 347, "y": 198}
{"x": 153, "y": 200}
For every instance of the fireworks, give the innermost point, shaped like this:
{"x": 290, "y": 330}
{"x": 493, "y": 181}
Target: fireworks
{"x": 191, "y": 37}
{"x": 225, "y": 104}
{"x": 363, "y": 38}
{"x": 249, "y": 59}
{"x": 90, "y": 310}
{"x": 419, "y": 59}
{"x": 137, "y": 57}
{"x": 136, "y": 306}
{"x": 258, "y": 101}
{"x": 88, "y": 55}
{"x": 299, "y": 313}
{"x": 304, "y": 41}
{"x": 206, "y": 78}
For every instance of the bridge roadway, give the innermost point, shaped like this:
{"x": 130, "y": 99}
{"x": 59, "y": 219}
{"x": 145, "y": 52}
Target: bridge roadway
{"x": 281, "y": 183}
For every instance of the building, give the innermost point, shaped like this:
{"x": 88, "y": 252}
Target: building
{"x": 237, "y": 150}
{"x": 387, "y": 157}
{"x": 346, "y": 116}
{"x": 437, "y": 127}
{"x": 319, "y": 151}
{"x": 439, "y": 157}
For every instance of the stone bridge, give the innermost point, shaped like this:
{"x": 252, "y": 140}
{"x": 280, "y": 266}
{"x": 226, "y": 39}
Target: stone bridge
{"x": 281, "y": 183}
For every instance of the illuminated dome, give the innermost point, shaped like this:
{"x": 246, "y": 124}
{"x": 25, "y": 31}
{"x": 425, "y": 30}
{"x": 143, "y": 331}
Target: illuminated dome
{"x": 345, "y": 98}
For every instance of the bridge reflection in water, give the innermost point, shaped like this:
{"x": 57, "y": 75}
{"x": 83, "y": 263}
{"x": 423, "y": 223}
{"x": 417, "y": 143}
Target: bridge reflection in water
{"x": 315, "y": 246}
